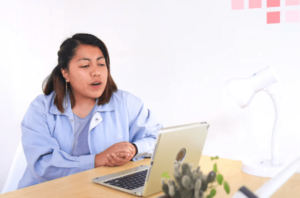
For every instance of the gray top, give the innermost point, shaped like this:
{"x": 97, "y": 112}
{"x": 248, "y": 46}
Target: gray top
{"x": 81, "y": 131}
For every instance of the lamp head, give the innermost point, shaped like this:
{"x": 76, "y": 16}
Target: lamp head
{"x": 243, "y": 89}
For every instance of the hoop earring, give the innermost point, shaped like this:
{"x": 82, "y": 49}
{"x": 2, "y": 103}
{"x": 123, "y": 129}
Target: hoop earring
{"x": 66, "y": 98}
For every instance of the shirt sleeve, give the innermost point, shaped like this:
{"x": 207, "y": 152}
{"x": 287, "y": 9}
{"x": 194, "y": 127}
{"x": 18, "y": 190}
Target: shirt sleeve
{"x": 44, "y": 158}
{"x": 143, "y": 127}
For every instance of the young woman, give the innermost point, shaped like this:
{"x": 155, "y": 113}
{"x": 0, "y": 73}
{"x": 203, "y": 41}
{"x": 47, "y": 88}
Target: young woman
{"x": 82, "y": 120}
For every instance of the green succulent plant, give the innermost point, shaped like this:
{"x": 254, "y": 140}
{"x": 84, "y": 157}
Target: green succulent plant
{"x": 193, "y": 183}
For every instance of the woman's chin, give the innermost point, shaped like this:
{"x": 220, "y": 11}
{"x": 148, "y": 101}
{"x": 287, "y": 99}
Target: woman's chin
{"x": 96, "y": 94}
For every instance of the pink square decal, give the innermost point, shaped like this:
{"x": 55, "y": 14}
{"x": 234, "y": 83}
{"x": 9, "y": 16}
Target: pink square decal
{"x": 273, "y": 3}
{"x": 254, "y": 4}
{"x": 273, "y": 17}
{"x": 292, "y": 16}
{"x": 292, "y": 2}
{"x": 237, "y": 4}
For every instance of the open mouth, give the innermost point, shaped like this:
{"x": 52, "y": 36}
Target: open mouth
{"x": 96, "y": 85}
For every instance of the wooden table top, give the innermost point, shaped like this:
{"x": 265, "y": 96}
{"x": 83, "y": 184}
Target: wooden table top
{"x": 81, "y": 185}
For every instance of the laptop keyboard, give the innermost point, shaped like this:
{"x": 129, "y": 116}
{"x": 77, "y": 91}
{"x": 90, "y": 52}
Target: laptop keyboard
{"x": 131, "y": 181}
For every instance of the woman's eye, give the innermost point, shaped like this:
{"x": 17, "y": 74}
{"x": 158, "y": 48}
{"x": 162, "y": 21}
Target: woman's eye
{"x": 84, "y": 66}
{"x": 101, "y": 64}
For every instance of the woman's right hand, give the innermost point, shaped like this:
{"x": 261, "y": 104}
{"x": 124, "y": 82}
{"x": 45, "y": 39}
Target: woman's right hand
{"x": 116, "y": 155}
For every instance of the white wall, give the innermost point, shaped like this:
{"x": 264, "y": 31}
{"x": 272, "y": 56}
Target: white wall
{"x": 175, "y": 56}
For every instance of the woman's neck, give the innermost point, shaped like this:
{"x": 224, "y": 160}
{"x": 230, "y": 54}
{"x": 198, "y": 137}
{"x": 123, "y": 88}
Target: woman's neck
{"x": 83, "y": 106}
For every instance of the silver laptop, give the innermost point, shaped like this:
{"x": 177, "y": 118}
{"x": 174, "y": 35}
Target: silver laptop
{"x": 181, "y": 143}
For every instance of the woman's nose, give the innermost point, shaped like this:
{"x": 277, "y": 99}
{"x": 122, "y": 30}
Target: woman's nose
{"x": 96, "y": 71}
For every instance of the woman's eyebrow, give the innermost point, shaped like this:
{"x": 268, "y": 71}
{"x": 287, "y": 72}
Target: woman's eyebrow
{"x": 89, "y": 59}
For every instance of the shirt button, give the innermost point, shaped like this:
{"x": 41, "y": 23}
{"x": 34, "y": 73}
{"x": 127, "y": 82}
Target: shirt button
{"x": 96, "y": 119}
{"x": 71, "y": 120}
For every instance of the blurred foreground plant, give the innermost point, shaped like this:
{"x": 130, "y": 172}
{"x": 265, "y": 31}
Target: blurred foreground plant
{"x": 193, "y": 183}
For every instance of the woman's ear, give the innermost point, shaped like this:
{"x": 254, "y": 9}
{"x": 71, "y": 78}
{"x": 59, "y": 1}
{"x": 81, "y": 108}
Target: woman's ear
{"x": 65, "y": 74}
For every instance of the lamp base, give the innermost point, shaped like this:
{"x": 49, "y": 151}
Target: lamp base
{"x": 261, "y": 167}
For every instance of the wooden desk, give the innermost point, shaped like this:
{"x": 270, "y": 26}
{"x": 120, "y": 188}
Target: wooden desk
{"x": 80, "y": 185}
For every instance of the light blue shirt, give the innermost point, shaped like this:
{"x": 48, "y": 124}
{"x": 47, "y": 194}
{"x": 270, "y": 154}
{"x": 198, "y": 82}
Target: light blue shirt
{"x": 48, "y": 135}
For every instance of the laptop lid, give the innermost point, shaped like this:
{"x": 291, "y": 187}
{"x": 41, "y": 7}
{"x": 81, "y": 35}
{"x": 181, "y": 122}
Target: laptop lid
{"x": 184, "y": 143}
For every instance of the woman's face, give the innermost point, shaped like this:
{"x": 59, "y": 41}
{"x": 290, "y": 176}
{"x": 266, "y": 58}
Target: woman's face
{"x": 87, "y": 72}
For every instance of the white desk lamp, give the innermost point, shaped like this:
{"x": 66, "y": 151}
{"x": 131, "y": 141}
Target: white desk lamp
{"x": 243, "y": 90}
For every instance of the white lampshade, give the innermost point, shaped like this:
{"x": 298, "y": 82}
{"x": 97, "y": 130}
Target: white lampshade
{"x": 243, "y": 89}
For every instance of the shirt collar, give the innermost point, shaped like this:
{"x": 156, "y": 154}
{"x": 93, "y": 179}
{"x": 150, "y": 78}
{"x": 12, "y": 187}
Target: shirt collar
{"x": 68, "y": 111}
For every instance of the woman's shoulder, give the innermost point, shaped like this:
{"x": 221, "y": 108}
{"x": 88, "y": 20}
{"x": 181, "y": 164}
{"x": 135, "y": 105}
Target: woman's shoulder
{"x": 42, "y": 101}
{"x": 126, "y": 99}
{"x": 121, "y": 95}
{"x": 37, "y": 110}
